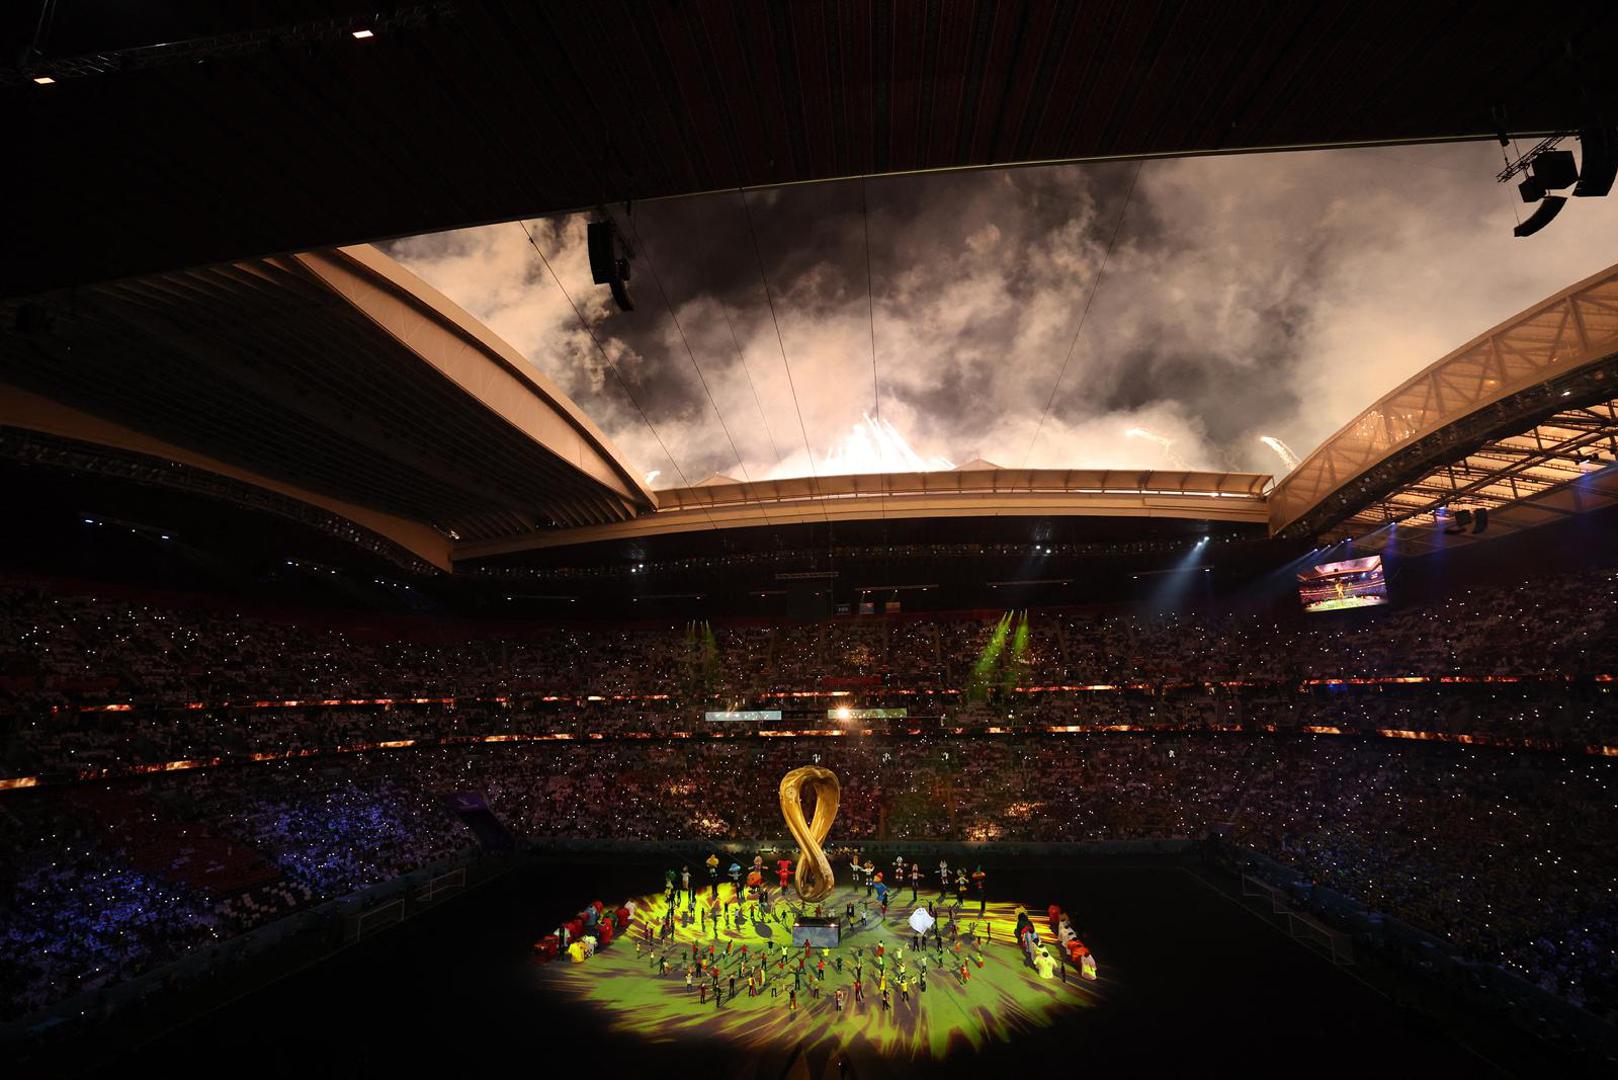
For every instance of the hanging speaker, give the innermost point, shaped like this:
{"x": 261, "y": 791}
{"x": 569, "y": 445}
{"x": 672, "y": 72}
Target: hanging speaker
{"x": 1555, "y": 169}
{"x": 602, "y": 238}
{"x": 609, "y": 263}
{"x": 1542, "y": 216}
{"x": 1599, "y": 147}
{"x": 1480, "y": 520}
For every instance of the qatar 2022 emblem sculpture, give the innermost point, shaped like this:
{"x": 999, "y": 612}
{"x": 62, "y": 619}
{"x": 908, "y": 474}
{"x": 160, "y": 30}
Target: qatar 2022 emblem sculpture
{"x": 813, "y": 876}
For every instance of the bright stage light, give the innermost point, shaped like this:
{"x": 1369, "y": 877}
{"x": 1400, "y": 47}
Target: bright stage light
{"x": 44, "y": 80}
{"x": 361, "y": 35}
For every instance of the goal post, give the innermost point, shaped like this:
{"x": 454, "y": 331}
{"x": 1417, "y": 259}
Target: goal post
{"x": 369, "y": 922}
{"x": 1255, "y": 887}
{"x": 443, "y": 883}
{"x": 1334, "y": 944}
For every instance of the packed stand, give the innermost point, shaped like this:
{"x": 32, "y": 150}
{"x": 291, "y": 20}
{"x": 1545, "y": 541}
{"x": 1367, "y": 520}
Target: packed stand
{"x": 1511, "y": 855}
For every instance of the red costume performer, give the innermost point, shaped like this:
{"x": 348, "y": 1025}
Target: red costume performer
{"x": 783, "y": 870}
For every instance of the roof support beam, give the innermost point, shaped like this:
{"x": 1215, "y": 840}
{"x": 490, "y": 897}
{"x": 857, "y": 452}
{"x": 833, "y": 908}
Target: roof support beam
{"x": 471, "y": 356}
{"x": 30, "y": 412}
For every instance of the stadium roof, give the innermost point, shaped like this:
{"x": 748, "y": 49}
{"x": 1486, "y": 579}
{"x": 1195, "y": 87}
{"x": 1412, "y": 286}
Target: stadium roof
{"x": 265, "y": 126}
{"x": 979, "y": 490}
{"x": 338, "y": 381}
{"x": 1513, "y": 421}
{"x": 335, "y": 378}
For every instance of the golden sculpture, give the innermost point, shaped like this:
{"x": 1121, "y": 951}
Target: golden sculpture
{"x": 813, "y": 876}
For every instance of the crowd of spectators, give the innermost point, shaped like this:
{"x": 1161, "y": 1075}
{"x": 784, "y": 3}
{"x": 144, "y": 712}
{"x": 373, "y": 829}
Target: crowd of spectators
{"x": 77, "y": 649}
{"x": 191, "y": 682}
{"x": 1511, "y": 855}
{"x": 1508, "y": 853}
{"x": 82, "y": 905}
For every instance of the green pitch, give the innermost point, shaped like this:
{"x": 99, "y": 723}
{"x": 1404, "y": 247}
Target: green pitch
{"x": 999, "y": 996}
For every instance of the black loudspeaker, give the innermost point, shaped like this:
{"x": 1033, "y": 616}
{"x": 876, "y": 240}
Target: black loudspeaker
{"x": 1541, "y": 216}
{"x": 608, "y": 264}
{"x": 1555, "y": 169}
{"x": 603, "y": 243}
{"x": 1530, "y": 189}
{"x": 1463, "y": 520}
{"x": 1600, "y": 164}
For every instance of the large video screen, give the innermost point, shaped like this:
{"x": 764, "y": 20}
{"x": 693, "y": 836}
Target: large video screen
{"x": 1336, "y": 586}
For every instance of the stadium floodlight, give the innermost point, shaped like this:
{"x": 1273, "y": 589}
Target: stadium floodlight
{"x": 44, "y": 80}
{"x": 362, "y": 35}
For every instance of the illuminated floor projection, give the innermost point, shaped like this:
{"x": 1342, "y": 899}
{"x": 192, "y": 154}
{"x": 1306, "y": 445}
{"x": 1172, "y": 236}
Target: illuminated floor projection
{"x": 972, "y": 983}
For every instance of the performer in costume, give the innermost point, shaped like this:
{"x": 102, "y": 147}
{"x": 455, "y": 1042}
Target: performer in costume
{"x": 713, "y": 873}
{"x": 979, "y": 879}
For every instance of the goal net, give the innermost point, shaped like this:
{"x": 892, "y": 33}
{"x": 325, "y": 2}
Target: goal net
{"x": 369, "y": 922}
{"x": 1333, "y": 944}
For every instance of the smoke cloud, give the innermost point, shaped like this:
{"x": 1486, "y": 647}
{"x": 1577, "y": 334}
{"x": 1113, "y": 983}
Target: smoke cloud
{"x": 1245, "y": 297}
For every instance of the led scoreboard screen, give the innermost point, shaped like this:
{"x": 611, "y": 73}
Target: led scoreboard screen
{"x": 1336, "y": 586}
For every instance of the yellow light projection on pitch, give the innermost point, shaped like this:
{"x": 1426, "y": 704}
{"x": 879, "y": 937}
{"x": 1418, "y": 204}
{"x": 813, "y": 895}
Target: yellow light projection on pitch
{"x": 813, "y": 876}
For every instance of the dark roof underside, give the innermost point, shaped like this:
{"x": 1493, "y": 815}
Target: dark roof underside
{"x": 268, "y": 130}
